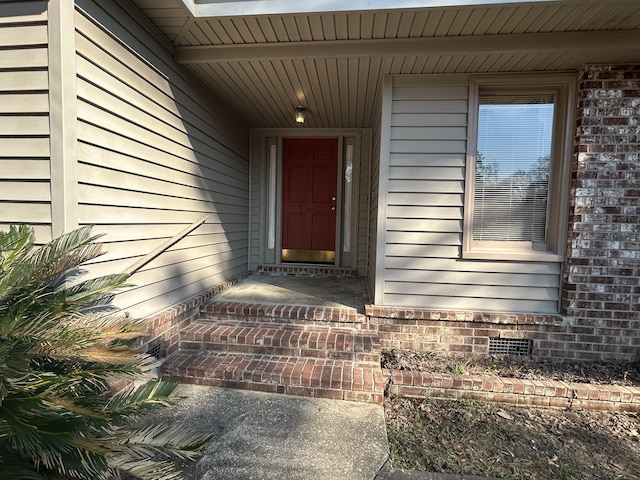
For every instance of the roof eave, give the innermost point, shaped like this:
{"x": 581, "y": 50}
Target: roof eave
{"x": 234, "y": 8}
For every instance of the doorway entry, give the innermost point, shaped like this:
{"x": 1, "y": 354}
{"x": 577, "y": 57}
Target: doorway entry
{"x": 309, "y": 193}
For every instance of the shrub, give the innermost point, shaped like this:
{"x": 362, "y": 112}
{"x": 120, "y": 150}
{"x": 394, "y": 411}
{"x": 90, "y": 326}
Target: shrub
{"x": 68, "y": 370}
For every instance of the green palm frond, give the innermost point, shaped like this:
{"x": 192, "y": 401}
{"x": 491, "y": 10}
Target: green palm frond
{"x": 147, "y": 394}
{"x": 119, "y": 358}
{"x": 28, "y": 269}
{"x": 15, "y": 467}
{"x": 79, "y": 241}
{"x": 87, "y": 291}
{"x": 15, "y": 244}
{"x": 82, "y": 460}
{"x": 5, "y": 428}
{"x": 182, "y": 442}
{"x": 69, "y": 370}
{"x": 144, "y": 469}
{"x": 36, "y": 326}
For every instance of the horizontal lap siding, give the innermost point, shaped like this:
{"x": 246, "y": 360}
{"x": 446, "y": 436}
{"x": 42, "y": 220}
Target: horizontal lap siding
{"x": 423, "y": 264}
{"x": 254, "y": 241}
{"x": 25, "y": 172}
{"x": 155, "y": 155}
{"x": 373, "y": 186}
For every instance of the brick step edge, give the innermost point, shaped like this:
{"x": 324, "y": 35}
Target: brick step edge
{"x": 306, "y": 271}
{"x": 261, "y": 311}
{"x": 359, "y": 345}
{"x": 514, "y": 391}
{"x": 308, "y": 377}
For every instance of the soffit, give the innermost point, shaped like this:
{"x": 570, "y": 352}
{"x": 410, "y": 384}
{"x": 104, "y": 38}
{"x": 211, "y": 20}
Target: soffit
{"x": 333, "y": 62}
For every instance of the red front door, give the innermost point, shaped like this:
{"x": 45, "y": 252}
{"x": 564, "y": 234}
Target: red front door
{"x": 310, "y": 169}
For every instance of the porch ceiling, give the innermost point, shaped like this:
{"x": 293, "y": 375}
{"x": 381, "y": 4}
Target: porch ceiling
{"x": 333, "y": 62}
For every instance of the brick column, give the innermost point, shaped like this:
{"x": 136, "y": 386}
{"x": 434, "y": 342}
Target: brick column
{"x": 602, "y": 274}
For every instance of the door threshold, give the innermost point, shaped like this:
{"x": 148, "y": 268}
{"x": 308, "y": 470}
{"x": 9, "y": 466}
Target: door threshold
{"x": 309, "y": 256}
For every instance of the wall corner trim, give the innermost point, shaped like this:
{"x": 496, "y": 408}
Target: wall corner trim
{"x": 383, "y": 188}
{"x": 63, "y": 117}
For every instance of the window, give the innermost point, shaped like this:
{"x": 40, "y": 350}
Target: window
{"x": 518, "y": 153}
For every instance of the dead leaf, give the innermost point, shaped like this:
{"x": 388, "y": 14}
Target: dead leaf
{"x": 503, "y": 414}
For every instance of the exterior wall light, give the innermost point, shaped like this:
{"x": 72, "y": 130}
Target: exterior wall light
{"x": 300, "y": 113}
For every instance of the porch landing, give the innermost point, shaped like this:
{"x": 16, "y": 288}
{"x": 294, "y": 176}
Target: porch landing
{"x": 294, "y": 330}
{"x": 319, "y": 291}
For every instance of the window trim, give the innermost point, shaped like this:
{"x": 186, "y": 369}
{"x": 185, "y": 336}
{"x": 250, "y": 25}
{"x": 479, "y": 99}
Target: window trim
{"x": 564, "y": 86}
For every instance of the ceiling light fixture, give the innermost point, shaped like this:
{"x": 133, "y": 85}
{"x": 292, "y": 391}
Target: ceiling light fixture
{"x": 300, "y": 113}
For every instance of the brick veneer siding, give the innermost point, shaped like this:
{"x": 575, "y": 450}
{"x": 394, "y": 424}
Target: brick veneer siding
{"x": 600, "y": 305}
{"x": 602, "y": 273}
{"x": 554, "y": 337}
{"x": 463, "y": 333}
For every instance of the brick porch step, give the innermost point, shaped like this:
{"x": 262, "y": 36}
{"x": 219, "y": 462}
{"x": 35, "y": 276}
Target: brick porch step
{"x": 313, "y": 377}
{"x": 292, "y": 340}
{"x": 317, "y": 315}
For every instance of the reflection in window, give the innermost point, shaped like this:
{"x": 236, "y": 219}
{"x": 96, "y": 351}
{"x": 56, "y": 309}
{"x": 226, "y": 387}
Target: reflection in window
{"x": 348, "y": 190}
{"x": 271, "y": 189}
{"x": 512, "y": 167}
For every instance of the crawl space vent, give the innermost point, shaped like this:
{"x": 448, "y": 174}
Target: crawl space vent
{"x": 509, "y": 346}
{"x": 154, "y": 351}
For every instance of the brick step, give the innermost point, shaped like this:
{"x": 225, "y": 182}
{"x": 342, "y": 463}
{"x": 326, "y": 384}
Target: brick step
{"x": 357, "y": 345}
{"x": 260, "y": 312}
{"x": 311, "y": 377}
{"x": 306, "y": 271}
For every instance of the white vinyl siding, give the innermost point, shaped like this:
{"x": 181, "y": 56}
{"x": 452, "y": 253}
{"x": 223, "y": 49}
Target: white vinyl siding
{"x": 155, "y": 155}
{"x": 423, "y": 235}
{"x": 256, "y": 199}
{"x": 25, "y": 190}
{"x": 373, "y": 193}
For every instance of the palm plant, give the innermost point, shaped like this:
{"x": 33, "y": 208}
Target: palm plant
{"x": 68, "y": 370}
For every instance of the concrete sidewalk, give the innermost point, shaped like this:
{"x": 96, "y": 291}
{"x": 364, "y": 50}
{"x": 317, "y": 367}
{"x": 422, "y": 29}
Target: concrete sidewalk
{"x": 270, "y": 436}
{"x": 263, "y": 436}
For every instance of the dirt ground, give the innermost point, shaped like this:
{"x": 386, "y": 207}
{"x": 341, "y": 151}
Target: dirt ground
{"x": 610, "y": 373}
{"x": 488, "y": 439}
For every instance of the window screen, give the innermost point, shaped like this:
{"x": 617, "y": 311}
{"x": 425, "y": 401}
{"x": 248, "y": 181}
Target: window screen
{"x": 512, "y": 167}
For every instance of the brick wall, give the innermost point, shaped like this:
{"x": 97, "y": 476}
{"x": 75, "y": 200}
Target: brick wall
{"x": 464, "y": 333}
{"x": 602, "y": 274}
{"x": 553, "y": 337}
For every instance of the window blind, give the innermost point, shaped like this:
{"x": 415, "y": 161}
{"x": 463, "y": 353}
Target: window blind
{"x": 512, "y": 167}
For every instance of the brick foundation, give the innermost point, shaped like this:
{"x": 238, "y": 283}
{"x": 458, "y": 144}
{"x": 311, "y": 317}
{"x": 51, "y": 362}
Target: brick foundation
{"x": 554, "y": 337}
{"x": 163, "y": 334}
{"x": 526, "y": 393}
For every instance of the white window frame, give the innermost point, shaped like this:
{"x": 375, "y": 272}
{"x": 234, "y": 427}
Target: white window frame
{"x": 563, "y": 86}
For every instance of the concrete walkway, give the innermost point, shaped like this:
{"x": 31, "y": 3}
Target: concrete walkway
{"x": 264, "y": 436}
